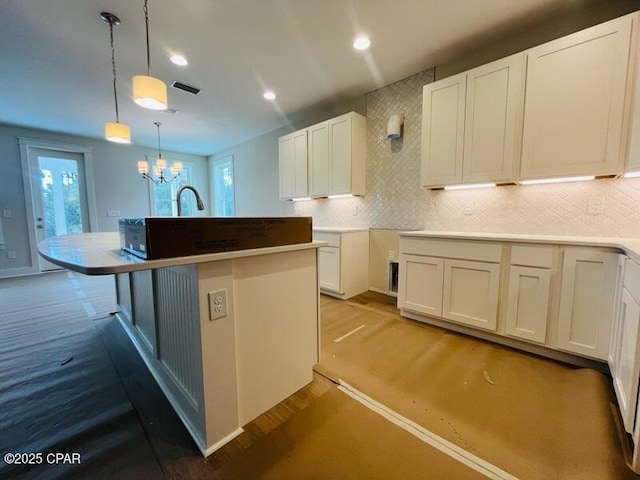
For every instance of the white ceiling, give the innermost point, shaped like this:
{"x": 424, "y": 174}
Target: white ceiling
{"x": 55, "y": 59}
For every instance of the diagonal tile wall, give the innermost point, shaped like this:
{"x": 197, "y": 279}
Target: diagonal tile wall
{"x": 395, "y": 200}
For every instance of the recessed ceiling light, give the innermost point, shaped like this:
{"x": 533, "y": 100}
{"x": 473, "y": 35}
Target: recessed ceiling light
{"x": 179, "y": 60}
{"x": 361, "y": 43}
{"x": 269, "y": 95}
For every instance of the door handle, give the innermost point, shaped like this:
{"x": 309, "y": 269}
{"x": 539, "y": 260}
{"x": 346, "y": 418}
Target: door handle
{"x": 39, "y": 226}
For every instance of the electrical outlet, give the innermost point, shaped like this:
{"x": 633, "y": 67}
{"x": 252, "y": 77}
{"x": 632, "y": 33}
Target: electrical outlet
{"x": 391, "y": 255}
{"x": 11, "y": 254}
{"x": 7, "y": 213}
{"x": 596, "y": 205}
{"x": 468, "y": 208}
{"x": 113, "y": 213}
{"x": 218, "y": 304}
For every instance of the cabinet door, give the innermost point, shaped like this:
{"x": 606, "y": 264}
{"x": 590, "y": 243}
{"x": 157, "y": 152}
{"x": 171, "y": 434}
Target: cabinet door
{"x": 586, "y": 302}
{"x": 292, "y": 155}
{"x": 528, "y": 303}
{"x": 625, "y": 377}
{"x": 470, "y": 293}
{"x": 574, "y": 103}
{"x": 340, "y": 155}
{"x": 318, "y": 141}
{"x": 614, "y": 340}
{"x": 493, "y": 105}
{"x": 420, "y": 284}
{"x": 329, "y": 268}
{"x": 443, "y": 107}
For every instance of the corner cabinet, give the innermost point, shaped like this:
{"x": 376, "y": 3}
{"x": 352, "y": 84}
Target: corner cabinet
{"x": 328, "y": 158}
{"x": 471, "y": 125}
{"x": 292, "y": 156}
{"x": 575, "y": 105}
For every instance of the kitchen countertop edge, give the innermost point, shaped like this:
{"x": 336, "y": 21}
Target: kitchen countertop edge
{"x": 631, "y": 246}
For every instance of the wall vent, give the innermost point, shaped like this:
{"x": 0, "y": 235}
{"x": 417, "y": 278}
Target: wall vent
{"x": 185, "y": 87}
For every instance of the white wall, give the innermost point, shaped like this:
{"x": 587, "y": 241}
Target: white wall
{"x": 118, "y": 185}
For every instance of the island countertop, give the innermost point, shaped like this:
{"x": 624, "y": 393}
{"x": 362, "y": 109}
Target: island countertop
{"x": 100, "y": 254}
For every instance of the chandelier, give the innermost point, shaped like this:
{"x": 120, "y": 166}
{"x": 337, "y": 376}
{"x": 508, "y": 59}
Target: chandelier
{"x": 158, "y": 172}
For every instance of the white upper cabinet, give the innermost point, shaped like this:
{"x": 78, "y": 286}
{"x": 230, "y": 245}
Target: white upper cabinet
{"x": 337, "y": 156}
{"x": 443, "y": 105}
{"x": 333, "y": 153}
{"x": 471, "y": 124}
{"x": 574, "y": 114}
{"x": 292, "y": 154}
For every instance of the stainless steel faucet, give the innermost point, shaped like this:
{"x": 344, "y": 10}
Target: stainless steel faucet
{"x": 198, "y": 199}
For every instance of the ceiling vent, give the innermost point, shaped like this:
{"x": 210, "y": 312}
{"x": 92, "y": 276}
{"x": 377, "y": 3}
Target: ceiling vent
{"x": 185, "y": 87}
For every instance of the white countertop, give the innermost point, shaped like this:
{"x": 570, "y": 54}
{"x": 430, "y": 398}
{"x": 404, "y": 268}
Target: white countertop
{"x": 631, "y": 246}
{"x": 100, "y": 254}
{"x": 339, "y": 229}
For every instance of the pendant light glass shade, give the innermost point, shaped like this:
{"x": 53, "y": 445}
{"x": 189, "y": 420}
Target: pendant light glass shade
{"x": 117, "y": 132}
{"x": 149, "y": 92}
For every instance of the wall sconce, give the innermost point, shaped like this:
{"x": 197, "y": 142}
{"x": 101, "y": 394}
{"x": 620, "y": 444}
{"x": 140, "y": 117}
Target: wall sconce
{"x": 161, "y": 164}
{"x": 394, "y": 127}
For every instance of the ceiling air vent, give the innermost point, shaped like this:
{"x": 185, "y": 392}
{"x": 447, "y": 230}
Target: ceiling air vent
{"x": 185, "y": 87}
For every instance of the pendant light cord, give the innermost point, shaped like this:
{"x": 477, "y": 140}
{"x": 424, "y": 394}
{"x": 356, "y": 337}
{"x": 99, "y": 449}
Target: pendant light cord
{"x": 113, "y": 66}
{"x": 146, "y": 20}
{"x": 157, "y": 124}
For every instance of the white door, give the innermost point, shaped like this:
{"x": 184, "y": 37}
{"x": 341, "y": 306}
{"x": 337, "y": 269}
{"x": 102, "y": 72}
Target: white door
{"x": 586, "y": 302}
{"x": 420, "y": 284}
{"x": 470, "y": 293}
{"x": 329, "y": 268}
{"x": 528, "y": 303}
{"x": 59, "y": 189}
{"x": 575, "y": 101}
{"x": 443, "y": 107}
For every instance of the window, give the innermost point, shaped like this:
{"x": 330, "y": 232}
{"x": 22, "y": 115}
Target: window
{"x": 223, "y": 189}
{"x": 163, "y": 195}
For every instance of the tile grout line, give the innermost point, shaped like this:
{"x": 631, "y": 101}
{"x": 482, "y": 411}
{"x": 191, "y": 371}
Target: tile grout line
{"x": 467, "y": 458}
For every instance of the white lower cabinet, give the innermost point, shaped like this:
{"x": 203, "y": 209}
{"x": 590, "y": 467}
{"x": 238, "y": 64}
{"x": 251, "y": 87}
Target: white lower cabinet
{"x": 528, "y": 303}
{"x": 329, "y": 268}
{"x": 470, "y": 293}
{"x": 420, "y": 284}
{"x": 586, "y": 302}
{"x": 624, "y": 356}
{"x": 343, "y": 265}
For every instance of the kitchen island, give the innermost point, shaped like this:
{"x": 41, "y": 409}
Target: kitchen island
{"x": 226, "y": 335}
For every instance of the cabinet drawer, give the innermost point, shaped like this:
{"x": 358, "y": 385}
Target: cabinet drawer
{"x": 332, "y": 238}
{"x": 530, "y": 256}
{"x": 462, "y": 249}
{"x": 632, "y": 278}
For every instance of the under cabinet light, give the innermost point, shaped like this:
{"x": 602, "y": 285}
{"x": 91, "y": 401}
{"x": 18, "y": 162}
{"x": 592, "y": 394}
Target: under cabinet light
{"x": 631, "y": 175}
{"x": 469, "y": 185}
{"x": 344, "y": 195}
{"x": 301, "y": 199}
{"x": 556, "y": 180}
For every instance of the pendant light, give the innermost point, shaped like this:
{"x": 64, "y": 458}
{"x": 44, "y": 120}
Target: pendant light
{"x": 160, "y": 165}
{"x": 149, "y": 92}
{"x": 115, "y": 131}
